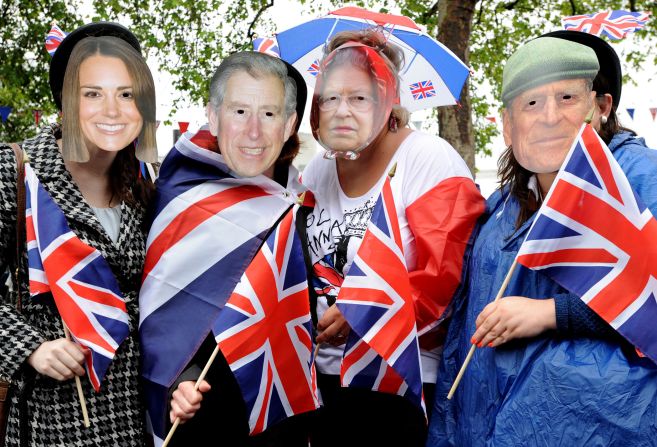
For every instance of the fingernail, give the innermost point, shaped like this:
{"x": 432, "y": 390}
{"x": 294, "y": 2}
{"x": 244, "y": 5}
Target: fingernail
{"x": 480, "y": 344}
{"x": 473, "y": 341}
{"x": 490, "y": 345}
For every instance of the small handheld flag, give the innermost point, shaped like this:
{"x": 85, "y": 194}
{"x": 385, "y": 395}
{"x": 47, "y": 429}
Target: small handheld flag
{"x": 53, "y": 39}
{"x": 595, "y": 237}
{"x": 267, "y": 45}
{"x": 81, "y": 281}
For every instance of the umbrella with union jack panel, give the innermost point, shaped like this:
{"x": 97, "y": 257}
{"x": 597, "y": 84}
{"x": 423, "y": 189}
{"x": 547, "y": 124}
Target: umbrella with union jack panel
{"x": 432, "y": 75}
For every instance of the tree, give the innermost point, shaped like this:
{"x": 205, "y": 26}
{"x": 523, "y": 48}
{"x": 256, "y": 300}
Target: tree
{"x": 189, "y": 37}
{"x": 484, "y": 33}
{"x": 24, "y": 69}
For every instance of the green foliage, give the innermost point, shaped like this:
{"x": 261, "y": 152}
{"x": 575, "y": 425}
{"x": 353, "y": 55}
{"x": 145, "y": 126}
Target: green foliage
{"x": 188, "y": 38}
{"x": 500, "y": 26}
{"x": 24, "y": 69}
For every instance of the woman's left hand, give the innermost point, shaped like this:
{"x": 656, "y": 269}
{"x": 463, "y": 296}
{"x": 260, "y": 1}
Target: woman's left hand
{"x": 513, "y": 317}
{"x": 333, "y": 327}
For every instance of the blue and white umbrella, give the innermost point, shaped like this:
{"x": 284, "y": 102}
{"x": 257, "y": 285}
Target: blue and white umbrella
{"x": 432, "y": 76}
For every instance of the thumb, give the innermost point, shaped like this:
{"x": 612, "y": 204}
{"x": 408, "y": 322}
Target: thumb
{"x": 204, "y": 387}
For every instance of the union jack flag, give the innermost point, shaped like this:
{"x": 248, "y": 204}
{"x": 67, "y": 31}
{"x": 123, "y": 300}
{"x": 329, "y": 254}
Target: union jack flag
{"x": 325, "y": 278}
{"x": 265, "y": 331}
{"x": 422, "y": 89}
{"x": 207, "y": 227}
{"x": 314, "y": 68}
{"x": 594, "y": 236}
{"x": 53, "y": 39}
{"x": 613, "y": 24}
{"x": 267, "y": 45}
{"x": 382, "y": 351}
{"x": 82, "y": 284}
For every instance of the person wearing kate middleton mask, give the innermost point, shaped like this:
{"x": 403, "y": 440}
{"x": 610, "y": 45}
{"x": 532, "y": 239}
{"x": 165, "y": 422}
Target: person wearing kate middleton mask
{"x": 355, "y": 116}
{"x": 88, "y": 172}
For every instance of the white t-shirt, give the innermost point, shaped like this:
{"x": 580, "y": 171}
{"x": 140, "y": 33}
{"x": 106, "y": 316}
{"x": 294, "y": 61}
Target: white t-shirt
{"x": 337, "y": 224}
{"x": 110, "y": 219}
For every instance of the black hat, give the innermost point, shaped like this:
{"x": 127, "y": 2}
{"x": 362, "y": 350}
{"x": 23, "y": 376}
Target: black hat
{"x": 610, "y": 67}
{"x": 302, "y": 91}
{"x": 60, "y": 58}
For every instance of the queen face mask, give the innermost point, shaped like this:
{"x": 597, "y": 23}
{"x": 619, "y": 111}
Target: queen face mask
{"x": 354, "y": 94}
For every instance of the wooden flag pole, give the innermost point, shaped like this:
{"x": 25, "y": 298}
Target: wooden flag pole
{"x": 316, "y": 352}
{"x": 176, "y": 423}
{"x": 78, "y": 384}
{"x": 459, "y": 376}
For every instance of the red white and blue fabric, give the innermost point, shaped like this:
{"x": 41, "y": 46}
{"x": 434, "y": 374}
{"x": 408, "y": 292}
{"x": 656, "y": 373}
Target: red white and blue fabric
{"x": 53, "y": 39}
{"x": 613, "y": 24}
{"x": 265, "y": 331}
{"x": 313, "y": 69}
{"x": 382, "y": 351}
{"x": 425, "y": 58}
{"x": 594, "y": 236}
{"x": 207, "y": 227}
{"x": 266, "y": 45}
{"x": 422, "y": 90}
{"x": 82, "y": 284}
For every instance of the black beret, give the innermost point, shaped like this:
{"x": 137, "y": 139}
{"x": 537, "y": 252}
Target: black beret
{"x": 60, "y": 58}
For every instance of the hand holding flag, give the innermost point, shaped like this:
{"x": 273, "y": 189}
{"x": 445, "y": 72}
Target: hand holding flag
{"x": 594, "y": 236}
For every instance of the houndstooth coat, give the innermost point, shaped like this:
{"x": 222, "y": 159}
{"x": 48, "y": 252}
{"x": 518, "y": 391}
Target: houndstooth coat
{"x": 45, "y": 412}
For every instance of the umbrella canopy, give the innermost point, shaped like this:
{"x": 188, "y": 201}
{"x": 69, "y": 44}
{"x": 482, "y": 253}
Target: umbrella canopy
{"x": 432, "y": 75}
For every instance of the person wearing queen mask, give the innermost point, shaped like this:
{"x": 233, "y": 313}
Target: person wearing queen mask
{"x": 356, "y": 117}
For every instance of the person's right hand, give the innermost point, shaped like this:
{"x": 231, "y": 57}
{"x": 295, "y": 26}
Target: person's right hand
{"x": 186, "y": 401}
{"x": 61, "y": 359}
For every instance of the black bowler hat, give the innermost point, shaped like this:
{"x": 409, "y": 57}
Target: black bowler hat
{"x": 60, "y": 58}
{"x": 610, "y": 67}
{"x": 302, "y": 91}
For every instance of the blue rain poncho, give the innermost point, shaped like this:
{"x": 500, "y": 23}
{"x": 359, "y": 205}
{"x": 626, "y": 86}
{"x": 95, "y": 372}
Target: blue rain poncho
{"x": 551, "y": 390}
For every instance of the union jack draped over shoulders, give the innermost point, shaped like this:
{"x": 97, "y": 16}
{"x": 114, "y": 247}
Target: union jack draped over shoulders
{"x": 382, "y": 351}
{"x": 207, "y": 226}
{"x": 265, "y": 331}
{"x": 613, "y": 24}
{"x": 594, "y": 236}
{"x": 82, "y": 284}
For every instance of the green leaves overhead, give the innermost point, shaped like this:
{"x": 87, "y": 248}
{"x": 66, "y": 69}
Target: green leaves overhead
{"x": 188, "y": 38}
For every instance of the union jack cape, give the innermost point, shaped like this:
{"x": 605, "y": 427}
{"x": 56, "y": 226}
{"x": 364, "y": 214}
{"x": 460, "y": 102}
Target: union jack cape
{"x": 595, "y": 237}
{"x": 207, "y": 226}
{"x": 265, "y": 331}
{"x": 82, "y": 284}
{"x": 382, "y": 351}
{"x": 613, "y": 24}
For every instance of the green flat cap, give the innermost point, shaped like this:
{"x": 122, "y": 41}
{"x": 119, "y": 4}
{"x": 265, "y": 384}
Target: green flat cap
{"x": 546, "y": 60}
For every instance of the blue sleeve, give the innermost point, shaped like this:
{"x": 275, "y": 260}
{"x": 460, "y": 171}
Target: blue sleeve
{"x": 576, "y": 319}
